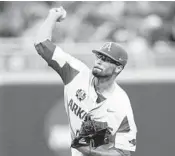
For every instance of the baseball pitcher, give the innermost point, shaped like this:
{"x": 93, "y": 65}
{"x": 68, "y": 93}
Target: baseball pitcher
{"x": 99, "y": 111}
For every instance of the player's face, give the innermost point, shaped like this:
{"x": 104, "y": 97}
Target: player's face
{"x": 104, "y": 66}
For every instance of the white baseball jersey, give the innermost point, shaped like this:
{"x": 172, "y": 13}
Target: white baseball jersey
{"x": 81, "y": 98}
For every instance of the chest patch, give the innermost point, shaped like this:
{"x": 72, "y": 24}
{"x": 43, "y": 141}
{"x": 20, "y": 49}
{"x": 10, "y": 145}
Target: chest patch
{"x": 80, "y": 94}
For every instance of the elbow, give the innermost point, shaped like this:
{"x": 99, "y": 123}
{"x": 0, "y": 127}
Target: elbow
{"x": 38, "y": 47}
{"x": 39, "y": 40}
{"x": 36, "y": 42}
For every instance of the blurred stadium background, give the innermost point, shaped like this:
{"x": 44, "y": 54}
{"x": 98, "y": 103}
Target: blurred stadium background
{"x": 32, "y": 116}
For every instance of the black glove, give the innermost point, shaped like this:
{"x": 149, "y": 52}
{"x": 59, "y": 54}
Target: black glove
{"x": 92, "y": 133}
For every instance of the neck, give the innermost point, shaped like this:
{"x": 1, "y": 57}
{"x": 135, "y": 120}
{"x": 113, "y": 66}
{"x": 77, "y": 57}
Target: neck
{"x": 104, "y": 83}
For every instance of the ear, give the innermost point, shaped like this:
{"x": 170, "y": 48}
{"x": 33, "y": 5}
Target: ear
{"x": 118, "y": 69}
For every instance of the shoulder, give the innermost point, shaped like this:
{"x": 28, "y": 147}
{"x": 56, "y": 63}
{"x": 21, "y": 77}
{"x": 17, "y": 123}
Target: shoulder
{"x": 121, "y": 94}
{"x": 120, "y": 99}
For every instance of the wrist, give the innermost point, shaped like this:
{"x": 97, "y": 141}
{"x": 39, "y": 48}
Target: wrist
{"x": 52, "y": 18}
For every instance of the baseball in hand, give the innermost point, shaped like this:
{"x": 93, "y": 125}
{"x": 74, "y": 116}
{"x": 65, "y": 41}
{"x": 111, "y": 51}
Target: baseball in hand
{"x": 63, "y": 14}
{"x": 58, "y": 13}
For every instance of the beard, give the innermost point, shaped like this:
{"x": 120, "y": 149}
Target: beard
{"x": 102, "y": 73}
{"x": 99, "y": 73}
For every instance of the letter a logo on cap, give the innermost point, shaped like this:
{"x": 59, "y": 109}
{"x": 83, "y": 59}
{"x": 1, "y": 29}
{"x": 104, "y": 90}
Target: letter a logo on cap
{"x": 107, "y": 46}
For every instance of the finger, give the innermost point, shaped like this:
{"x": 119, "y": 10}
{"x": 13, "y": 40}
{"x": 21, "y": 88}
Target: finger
{"x": 58, "y": 10}
{"x": 53, "y": 10}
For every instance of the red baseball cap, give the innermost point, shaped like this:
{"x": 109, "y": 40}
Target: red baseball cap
{"x": 114, "y": 51}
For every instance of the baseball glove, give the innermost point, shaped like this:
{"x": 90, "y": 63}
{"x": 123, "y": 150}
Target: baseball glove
{"x": 92, "y": 133}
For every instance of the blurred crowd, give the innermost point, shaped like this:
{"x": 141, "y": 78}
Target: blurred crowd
{"x": 147, "y": 28}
